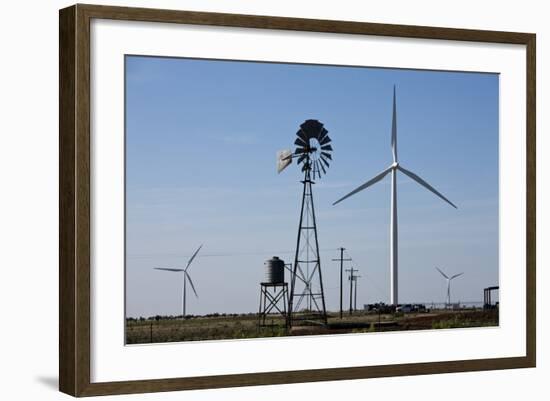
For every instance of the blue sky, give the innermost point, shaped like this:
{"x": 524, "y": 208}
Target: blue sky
{"x": 201, "y": 139}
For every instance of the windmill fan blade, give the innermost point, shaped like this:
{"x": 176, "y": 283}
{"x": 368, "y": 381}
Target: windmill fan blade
{"x": 325, "y": 140}
{"x": 193, "y": 257}
{"x": 299, "y": 151}
{"x": 318, "y": 169}
{"x": 322, "y": 134}
{"x": 365, "y": 185}
{"x": 443, "y": 274}
{"x": 300, "y": 142}
{"x": 168, "y": 269}
{"x": 323, "y": 168}
{"x": 302, "y": 135}
{"x": 457, "y": 275}
{"x": 312, "y": 128}
{"x": 301, "y": 158}
{"x": 191, "y": 282}
{"x": 327, "y": 155}
{"x": 324, "y": 161}
{"x": 426, "y": 185}
{"x": 327, "y": 147}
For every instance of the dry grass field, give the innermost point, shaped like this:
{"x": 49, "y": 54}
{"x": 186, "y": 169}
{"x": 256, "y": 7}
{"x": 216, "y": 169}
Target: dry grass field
{"x": 218, "y": 327}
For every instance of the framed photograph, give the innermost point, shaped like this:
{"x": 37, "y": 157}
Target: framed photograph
{"x": 298, "y": 200}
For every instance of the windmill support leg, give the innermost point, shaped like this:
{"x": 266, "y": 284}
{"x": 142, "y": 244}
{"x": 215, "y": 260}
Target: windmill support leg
{"x": 296, "y": 267}
{"x": 324, "y": 309}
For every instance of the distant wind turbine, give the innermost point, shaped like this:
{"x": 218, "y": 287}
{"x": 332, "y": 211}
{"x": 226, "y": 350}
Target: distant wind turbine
{"x": 393, "y": 168}
{"x": 186, "y": 277}
{"x": 449, "y": 279}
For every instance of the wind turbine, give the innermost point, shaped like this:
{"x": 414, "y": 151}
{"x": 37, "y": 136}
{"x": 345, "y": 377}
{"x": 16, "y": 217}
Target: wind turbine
{"x": 393, "y": 168}
{"x": 186, "y": 277}
{"x": 449, "y": 279}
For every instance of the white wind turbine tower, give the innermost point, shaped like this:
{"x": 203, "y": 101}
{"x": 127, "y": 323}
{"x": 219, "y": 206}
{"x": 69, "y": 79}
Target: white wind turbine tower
{"x": 186, "y": 277}
{"x": 449, "y": 279}
{"x": 393, "y": 168}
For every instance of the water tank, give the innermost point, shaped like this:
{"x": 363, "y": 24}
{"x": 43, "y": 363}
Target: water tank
{"x": 274, "y": 271}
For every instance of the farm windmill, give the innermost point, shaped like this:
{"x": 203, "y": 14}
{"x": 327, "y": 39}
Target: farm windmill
{"x": 393, "y": 168}
{"x": 313, "y": 152}
{"x": 449, "y": 279}
{"x": 186, "y": 277}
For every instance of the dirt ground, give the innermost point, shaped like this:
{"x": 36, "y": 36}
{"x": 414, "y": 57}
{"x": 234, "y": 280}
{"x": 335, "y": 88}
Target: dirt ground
{"x": 218, "y": 327}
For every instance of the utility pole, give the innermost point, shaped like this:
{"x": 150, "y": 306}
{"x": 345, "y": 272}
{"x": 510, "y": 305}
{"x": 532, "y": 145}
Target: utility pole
{"x": 351, "y": 279}
{"x": 355, "y": 290}
{"x": 341, "y": 260}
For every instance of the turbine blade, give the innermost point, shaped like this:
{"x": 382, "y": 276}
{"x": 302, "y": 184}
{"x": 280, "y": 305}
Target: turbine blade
{"x": 327, "y": 155}
{"x": 191, "y": 282}
{"x": 365, "y": 185}
{"x": 326, "y": 147}
{"x": 443, "y": 274}
{"x": 193, "y": 257}
{"x": 456, "y": 275}
{"x": 168, "y": 269}
{"x": 300, "y": 142}
{"x": 301, "y": 158}
{"x": 325, "y": 140}
{"x": 394, "y": 129}
{"x": 425, "y": 184}
{"x": 324, "y": 161}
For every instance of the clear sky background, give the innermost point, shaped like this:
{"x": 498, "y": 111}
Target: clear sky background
{"x": 201, "y": 139}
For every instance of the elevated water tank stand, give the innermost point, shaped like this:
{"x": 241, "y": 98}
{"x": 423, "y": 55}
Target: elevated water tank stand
{"x": 273, "y": 298}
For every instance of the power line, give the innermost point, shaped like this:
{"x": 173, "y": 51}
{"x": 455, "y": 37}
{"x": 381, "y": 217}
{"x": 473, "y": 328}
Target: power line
{"x": 214, "y": 254}
{"x": 378, "y": 289}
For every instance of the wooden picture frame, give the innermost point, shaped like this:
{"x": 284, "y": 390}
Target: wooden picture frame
{"x": 74, "y": 199}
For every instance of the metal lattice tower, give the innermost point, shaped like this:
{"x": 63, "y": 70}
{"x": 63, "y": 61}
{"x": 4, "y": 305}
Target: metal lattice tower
{"x": 306, "y": 286}
{"x": 313, "y": 152}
